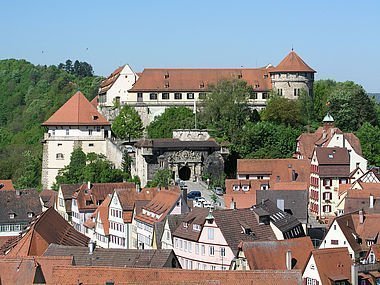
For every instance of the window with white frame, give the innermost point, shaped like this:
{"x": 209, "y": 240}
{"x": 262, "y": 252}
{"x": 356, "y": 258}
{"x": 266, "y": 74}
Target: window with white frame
{"x": 196, "y": 248}
{"x": 236, "y": 187}
{"x": 210, "y": 232}
{"x": 203, "y": 249}
{"x": 190, "y": 96}
{"x": 211, "y": 250}
{"x": 177, "y": 96}
{"x": 223, "y": 251}
{"x": 153, "y": 96}
{"x": 59, "y": 156}
{"x": 245, "y": 188}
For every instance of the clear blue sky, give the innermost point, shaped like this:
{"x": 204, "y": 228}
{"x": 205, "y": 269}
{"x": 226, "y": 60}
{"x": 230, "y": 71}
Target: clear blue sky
{"x": 339, "y": 39}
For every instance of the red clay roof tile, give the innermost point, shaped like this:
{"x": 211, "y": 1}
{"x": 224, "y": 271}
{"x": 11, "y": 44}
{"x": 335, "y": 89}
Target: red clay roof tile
{"x": 77, "y": 111}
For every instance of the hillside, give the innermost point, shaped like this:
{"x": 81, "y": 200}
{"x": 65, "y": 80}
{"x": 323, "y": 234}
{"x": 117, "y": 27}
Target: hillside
{"x": 29, "y": 94}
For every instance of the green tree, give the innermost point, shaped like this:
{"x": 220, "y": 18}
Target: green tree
{"x": 91, "y": 167}
{"x": 128, "y": 124}
{"x": 161, "y": 178}
{"x": 321, "y": 92}
{"x": 173, "y": 118}
{"x": 369, "y": 137}
{"x": 267, "y": 140}
{"x": 351, "y": 107}
{"x": 281, "y": 110}
{"x": 226, "y": 109}
{"x": 74, "y": 172}
{"x": 31, "y": 169}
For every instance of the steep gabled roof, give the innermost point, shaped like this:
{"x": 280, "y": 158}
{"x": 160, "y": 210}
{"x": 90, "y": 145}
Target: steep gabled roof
{"x": 47, "y": 228}
{"x": 160, "y": 205}
{"x": 107, "y": 83}
{"x": 264, "y": 255}
{"x": 231, "y": 222}
{"x": 333, "y": 264}
{"x": 293, "y": 63}
{"x": 77, "y": 111}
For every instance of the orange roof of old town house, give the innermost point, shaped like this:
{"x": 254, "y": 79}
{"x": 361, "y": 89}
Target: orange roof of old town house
{"x": 292, "y": 63}
{"x": 77, "y": 111}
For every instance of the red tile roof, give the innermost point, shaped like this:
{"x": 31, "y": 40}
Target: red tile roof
{"x": 279, "y": 170}
{"x": 94, "y": 102}
{"x": 351, "y": 228}
{"x": 161, "y": 205}
{"x": 293, "y": 63}
{"x": 77, "y": 111}
{"x": 321, "y": 137}
{"x": 90, "y": 199}
{"x": 264, "y": 255}
{"x": 76, "y": 275}
{"x": 107, "y": 83}
{"x": 6, "y": 185}
{"x": 47, "y": 228}
{"x": 198, "y": 80}
{"x": 333, "y": 264}
{"x": 31, "y": 270}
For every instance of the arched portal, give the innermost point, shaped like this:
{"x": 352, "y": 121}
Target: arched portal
{"x": 184, "y": 173}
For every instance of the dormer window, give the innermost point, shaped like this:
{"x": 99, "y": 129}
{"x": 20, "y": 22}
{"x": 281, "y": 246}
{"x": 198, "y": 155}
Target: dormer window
{"x": 264, "y": 187}
{"x": 245, "y": 188}
{"x": 196, "y": 227}
{"x": 30, "y": 215}
{"x": 236, "y": 187}
{"x": 202, "y": 85}
{"x": 95, "y": 117}
{"x": 166, "y": 84}
{"x": 185, "y": 225}
{"x": 11, "y": 215}
{"x": 331, "y": 156}
{"x": 166, "y": 76}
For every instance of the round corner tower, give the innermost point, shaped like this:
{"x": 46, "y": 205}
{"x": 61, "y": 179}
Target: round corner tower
{"x": 291, "y": 76}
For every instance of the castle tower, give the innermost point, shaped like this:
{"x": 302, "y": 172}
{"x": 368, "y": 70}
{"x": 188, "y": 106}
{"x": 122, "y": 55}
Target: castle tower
{"x": 291, "y": 76}
{"x": 76, "y": 123}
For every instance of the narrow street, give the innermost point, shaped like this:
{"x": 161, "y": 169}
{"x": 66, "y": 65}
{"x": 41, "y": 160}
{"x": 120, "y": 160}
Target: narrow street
{"x": 206, "y": 193}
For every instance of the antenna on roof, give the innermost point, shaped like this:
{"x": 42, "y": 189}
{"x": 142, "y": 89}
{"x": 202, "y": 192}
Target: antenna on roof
{"x": 292, "y": 48}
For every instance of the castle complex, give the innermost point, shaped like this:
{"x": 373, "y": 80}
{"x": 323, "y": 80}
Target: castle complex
{"x": 156, "y": 89}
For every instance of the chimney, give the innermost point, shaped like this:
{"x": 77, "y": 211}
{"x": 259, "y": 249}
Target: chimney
{"x": 294, "y": 175}
{"x": 184, "y": 194}
{"x": 91, "y": 247}
{"x": 138, "y": 189}
{"x": 289, "y": 260}
{"x": 232, "y": 204}
{"x": 281, "y": 204}
{"x": 371, "y": 201}
{"x": 361, "y": 217}
{"x": 18, "y": 192}
{"x": 88, "y": 185}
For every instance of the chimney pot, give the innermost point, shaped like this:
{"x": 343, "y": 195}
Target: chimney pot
{"x": 289, "y": 260}
{"x": 88, "y": 185}
{"x": 91, "y": 246}
{"x": 361, "y": 217}
{"x": 371, "y": 201}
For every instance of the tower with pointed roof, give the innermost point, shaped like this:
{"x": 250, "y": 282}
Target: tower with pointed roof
{"x": 76, "y": 124}
{"x": 291, "y": 76}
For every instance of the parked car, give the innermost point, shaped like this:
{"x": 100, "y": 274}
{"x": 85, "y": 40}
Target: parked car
{"x": 194, "y": 194}
{"x": 218, "y": 191}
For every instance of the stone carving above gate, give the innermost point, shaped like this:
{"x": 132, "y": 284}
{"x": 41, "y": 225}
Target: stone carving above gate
{"x": 184, "y": 156}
